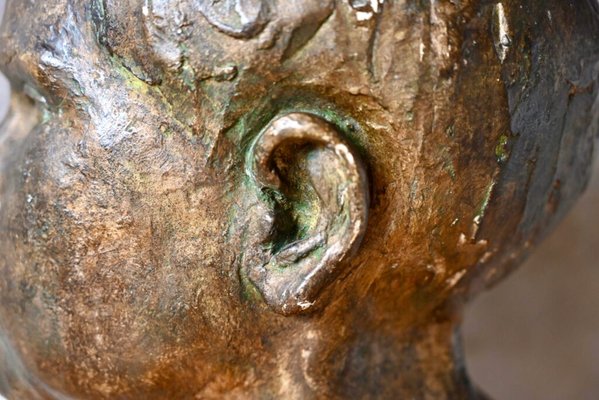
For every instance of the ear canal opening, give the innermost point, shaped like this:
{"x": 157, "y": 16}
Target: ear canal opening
{"x": 297, "y": 205}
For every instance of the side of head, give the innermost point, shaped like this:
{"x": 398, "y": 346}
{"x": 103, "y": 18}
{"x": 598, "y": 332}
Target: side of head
{"x": 193, "y": 190}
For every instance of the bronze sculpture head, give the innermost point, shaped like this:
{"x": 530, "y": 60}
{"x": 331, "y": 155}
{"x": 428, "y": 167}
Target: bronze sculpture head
{"x": 276, "y": 199}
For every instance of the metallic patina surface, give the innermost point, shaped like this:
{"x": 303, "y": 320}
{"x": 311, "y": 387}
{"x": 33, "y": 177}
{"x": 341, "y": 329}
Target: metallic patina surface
{"x": 276, "y": 199}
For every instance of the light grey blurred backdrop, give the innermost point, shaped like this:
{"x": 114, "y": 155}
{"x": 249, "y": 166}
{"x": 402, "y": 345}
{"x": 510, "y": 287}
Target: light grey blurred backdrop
{"x": 536, "y": 336}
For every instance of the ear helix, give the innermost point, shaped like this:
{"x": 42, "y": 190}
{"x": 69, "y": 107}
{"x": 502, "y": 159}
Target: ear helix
{"x": 314, "y": 189}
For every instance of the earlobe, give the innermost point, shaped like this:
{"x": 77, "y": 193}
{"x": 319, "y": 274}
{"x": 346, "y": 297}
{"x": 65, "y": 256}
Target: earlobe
{"x": 314, "y": 192}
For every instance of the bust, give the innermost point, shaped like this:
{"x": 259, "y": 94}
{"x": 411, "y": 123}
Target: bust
{"x": 272, "y": 199}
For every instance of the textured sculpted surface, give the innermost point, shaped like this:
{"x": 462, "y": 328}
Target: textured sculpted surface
{"x": 275, "y": 199}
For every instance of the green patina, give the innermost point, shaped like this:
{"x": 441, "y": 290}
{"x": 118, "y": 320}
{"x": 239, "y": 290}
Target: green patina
{"x": 249, "y": 292}
{"x": 256, "y": 116}
{"x": 484, "y": 204}
{"x": 450, "y": 169}
{"x": 188, "y": 75}
{"x": 501, "y": 150}
{"x": 129, "y": 78}
{"x": 347, "y": 126}
{"x": 166, "y": 130}
{"x": 78, "y": 90}
{"x": 296, "y": 212}
{"x": 448, "y": 163}
{"x": 46, "y": 115}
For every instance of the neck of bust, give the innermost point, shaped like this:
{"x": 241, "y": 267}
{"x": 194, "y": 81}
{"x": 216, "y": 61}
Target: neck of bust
{"x": 421, "y": 363}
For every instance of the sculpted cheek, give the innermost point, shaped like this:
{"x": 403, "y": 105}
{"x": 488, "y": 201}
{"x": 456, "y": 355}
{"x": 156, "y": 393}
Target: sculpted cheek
{"x": 103, "y": 261}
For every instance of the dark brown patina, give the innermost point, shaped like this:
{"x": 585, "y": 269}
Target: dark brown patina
{"x": 276, "y": 199}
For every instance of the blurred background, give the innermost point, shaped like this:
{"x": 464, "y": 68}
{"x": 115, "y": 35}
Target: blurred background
{"x": 536, "y": 335}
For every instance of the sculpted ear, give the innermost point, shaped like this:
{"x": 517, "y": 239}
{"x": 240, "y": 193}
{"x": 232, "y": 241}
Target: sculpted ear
{"x": 313, "y": 192}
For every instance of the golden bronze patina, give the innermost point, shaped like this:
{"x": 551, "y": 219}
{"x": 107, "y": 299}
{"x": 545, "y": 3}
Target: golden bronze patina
{"x": 276, "y": 199}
